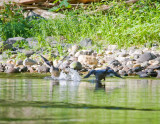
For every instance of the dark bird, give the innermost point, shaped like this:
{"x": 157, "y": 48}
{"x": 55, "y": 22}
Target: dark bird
{"x": 55, "y": 72}
{"x": 101, "y": 74}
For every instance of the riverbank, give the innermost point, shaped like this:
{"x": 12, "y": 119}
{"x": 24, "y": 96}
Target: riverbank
{"x": 132, "y": 61}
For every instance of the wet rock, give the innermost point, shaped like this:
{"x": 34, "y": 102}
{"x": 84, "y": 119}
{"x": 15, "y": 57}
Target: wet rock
{"x": 123, "y": 73}
{"x": 158, "y": 73}
{"x": 11, "y": 69}
{"x": 28, "y": 61}
{"x": 2, "y": 68}
{"x": 88, "y": 60}
{"x": 137, "y": 69}
{"x": 143, "y": 74}
{"x": 151, "y": 72}
{"x": 146, "y": 57}
{"x": 76, "y": 65}
{"x": 43, "y": 69}
{"x": 86, "y": 42}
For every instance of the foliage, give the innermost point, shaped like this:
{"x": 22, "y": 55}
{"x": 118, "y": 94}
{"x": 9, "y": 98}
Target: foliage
{"x": 124, "y": 25}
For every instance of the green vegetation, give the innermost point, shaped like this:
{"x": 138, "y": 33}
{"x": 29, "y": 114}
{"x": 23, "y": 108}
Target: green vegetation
{"x": 122, "y": 24}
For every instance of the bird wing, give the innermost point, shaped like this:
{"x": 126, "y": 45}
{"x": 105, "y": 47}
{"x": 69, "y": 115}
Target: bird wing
{"x": 114, "y": 73}
{"x": 90, "y": 73}
{"x": 46, "y": 61}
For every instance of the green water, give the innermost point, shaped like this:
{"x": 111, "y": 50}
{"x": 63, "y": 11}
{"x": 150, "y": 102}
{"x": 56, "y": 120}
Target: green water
{"x": 29, "y": 99}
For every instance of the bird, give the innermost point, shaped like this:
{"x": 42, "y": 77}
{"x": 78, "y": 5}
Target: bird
{"x": 101, "y": 74}
{"x": 55, "y": 71}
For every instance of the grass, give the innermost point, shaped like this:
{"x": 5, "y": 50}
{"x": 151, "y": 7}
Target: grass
{"x": 123, "y": 25}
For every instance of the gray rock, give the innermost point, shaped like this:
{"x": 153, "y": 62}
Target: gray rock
{"x": 28, "y": 61}
{"x": 2, "y": 68}
{"x": 43, "y": 69}
{"x": 146, "y": 57}
{"x": 23, "y": 69}
{"x": 11, "y": 69}
{"x": 143, "y": 74}
{"x": 86, "y": 42}
{"x": 9, "y": 43}
{"x": 76, "y": 65}
{"x": 115, "y": 63}
{"x": 32, "y": 42}
{"x": 28, "y": 53}
{"x": 158, "y": 73}
{"x": 137, "y": 69}
{"x": 19, "y": 62}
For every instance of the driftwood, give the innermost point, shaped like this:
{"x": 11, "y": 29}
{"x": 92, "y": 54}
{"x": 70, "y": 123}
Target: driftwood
{"x": 106, "y": 7}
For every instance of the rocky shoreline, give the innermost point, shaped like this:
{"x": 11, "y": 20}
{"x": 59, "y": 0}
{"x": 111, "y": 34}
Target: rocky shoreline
{"x": 132, "y": 61}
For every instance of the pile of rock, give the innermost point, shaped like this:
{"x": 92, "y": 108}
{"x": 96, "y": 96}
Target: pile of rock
{"x": 144, "y": 62}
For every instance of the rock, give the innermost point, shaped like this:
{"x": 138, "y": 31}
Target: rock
{"x": 9, "y": 43}
{"x": 19, "y": 62}
{"x": 143, "y": 74}
{"x": 137, "y": 69}
{"x": 112, "y": 47}
{"x": 43, "y": 69}
{"x": 11, "y": 69}
{"x": 76, "y": 65}
{"x": 48, "y": 15}
{"x": 28, "y": 61}
{"x": 32, "y": 42}
{"x": 122, "y": 73}
{"x": 73, "y": 49}
{"x": 2, "y": 68}
{"x": 136, "y": 65}
{"x": 151, "y": 72}
{"x": 23, "y": 69}
{"x": 158, "y": 73}
{"x": 28, "y": 53}
{"x": 115, "y": 63}
{"x": 88, "y": 60}
{"x": 64, "y": 65}
{"x": 86, "y": 42}
{"x": 31, "y": 70}
{"x": 146, "y": 57}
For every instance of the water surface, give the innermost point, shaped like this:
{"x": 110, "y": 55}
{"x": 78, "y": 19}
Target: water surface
{"x": 29, "y": 99}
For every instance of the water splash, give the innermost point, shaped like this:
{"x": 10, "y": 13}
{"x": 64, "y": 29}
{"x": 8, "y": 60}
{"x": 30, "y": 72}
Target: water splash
{"x": 71, "y": 75}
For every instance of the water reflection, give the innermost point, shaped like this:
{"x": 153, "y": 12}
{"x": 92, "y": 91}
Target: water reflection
{"x": 48, "y": 101}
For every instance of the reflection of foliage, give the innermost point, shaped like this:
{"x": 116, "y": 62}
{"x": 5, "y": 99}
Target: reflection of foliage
{"x": 62, "y": 5}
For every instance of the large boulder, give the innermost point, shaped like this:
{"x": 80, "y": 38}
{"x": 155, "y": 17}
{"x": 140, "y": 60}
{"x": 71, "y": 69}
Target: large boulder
{"x": 11, "y": 41}
{"x": 146, "y": 57}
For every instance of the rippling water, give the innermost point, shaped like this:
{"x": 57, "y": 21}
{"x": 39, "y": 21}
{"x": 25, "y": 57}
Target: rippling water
{"x": 29, "y": 99}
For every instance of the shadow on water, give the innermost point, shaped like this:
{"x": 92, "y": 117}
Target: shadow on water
{"x": 30, "y": 99}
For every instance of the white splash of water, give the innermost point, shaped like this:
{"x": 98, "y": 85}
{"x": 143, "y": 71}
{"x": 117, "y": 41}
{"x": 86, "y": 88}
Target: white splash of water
{"x": 71, "y": 75}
